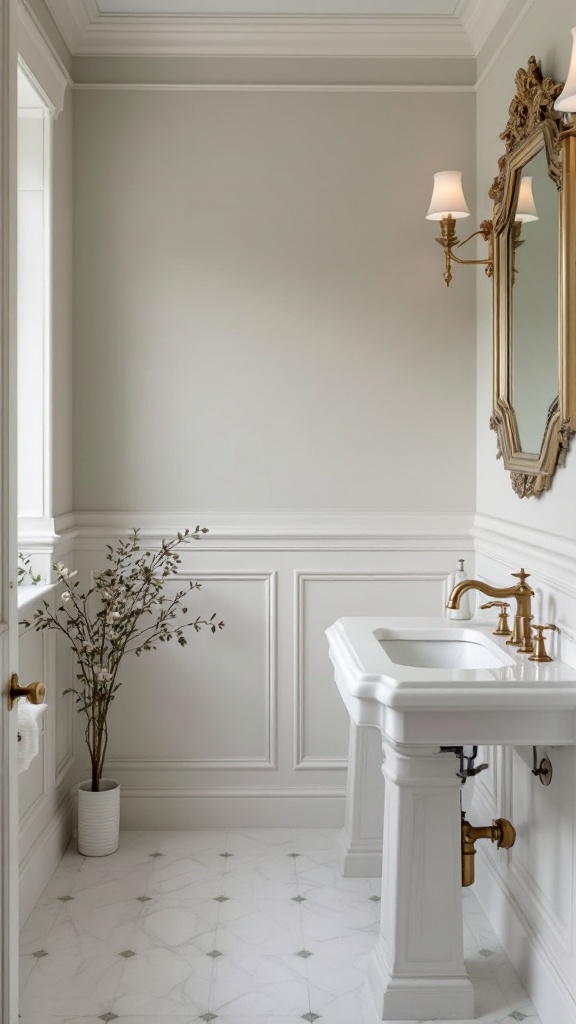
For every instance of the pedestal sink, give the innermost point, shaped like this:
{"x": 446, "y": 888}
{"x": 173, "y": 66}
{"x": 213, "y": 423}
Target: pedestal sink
{"x": 427, "y": 684}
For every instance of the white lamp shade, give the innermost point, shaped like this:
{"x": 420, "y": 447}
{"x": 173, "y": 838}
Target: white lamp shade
{"x": 566, "y": 101}
{"x": 447, "y": 197}
{"x": 525, "y": 207}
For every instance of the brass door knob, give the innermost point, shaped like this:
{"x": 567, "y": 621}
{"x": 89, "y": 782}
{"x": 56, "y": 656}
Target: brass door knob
{"x": 34, "y": 692}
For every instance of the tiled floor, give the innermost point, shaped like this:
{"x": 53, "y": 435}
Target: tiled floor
{"x": 238, "y": 927}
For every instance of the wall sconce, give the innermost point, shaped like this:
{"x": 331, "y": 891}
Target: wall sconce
{"x": 448, "y": 205}
{"x": 566, "y": 101}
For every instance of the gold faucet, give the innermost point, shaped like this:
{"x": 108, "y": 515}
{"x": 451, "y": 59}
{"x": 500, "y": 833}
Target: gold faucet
{"x": 522, "y": 630}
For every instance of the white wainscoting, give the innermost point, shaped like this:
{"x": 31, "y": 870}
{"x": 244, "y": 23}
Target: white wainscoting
{"x": 529, "y": 893}
{"x": 246, "y": 727}
{"x": 44, "y": 797}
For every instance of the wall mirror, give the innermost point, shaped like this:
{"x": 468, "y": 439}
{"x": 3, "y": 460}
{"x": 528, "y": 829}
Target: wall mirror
{"x": 534, "y": 226}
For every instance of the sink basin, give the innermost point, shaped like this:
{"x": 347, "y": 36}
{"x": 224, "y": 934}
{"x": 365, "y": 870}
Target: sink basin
{"x": 429, "y": 680}
{"x": 430, "y": 652}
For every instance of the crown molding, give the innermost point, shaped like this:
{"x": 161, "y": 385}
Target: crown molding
{"x": 87, "y": 32}
{"x": 480, "y": 18}
{"x": 39, "y": 62}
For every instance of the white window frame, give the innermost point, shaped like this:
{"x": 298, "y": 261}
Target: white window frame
{"x": 44, "y": 72}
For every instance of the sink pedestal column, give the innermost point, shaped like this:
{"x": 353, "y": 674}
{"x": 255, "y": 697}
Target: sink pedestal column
{"x": 417, "y": 970}
{"x": 360, "y": 842}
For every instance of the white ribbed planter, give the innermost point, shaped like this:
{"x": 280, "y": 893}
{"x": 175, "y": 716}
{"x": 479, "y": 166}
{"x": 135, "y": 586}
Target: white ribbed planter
{"x": 98, "y": 818}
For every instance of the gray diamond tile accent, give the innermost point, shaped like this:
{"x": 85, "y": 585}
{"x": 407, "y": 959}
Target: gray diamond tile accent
{"x": 144, "y": 899}
{"x": 208, "y": 1016}
{"x": 298, "y": 899}
{"x": 156, "y": 855}
{"x": 127, "y": 953}
{"x": 108, "y": 1016}
{"x": 40, "y": 953}
{"x": 375, "y": 899}
{"x": 225, "y": 854}
{"x": 518, "y": 1015}
{"x": 486, "y": 952}
{"x": 221, "y": 899}
{"x": 304, "y": 953}
{"x": 214, "y": 953}
{"x": 311, "y": 1016}
{"x": 65, "y": 899}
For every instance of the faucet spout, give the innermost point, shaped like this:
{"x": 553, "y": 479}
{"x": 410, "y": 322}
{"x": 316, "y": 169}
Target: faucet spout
{"x": 523, "y": 594}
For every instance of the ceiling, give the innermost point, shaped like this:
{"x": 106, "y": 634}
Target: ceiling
{"x": 389, "y": 8}
{"x": 294, "y": 28}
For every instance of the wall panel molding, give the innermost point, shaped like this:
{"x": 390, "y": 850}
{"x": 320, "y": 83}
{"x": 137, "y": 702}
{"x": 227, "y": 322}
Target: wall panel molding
{"x": 553, "y": 557}
{"x": 43, "y": 856}
{"x": 548, "y": 984}
{"x": 269, "y": 760}
{"x": 302, "y": 759}
{"x": 529, "y": 894}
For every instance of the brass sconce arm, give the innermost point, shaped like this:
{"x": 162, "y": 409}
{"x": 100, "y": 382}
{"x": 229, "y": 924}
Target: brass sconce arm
{"x": 449, "y": 242}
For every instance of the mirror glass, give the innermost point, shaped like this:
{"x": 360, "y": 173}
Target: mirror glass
{"x": 534, "y": 306}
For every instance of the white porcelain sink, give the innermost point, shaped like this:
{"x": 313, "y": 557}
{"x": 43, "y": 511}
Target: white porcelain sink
{"x": 426, "y": 650}
{"x": 472, "y": 687}
{"x": 430, "y": 685}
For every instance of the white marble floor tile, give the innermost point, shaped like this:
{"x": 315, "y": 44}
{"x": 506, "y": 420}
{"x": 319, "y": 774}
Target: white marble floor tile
{"x": 177, "y": 925}
{"x": 337, "y": 912}
{"x": 248, "y": 984}
{"x": 38, "y": 926}
{"x": 323, "y": 875}
{"x": 160, "y": 981}
{"x": 261, "y": 884}
{"x": 187, "y": 877}
{"x": 25, "y": 968}
{"x": 264, "y": 925}
{"x": 193, "y": 841}
{"x": 71, "y": 986}
{"x": 354, "y": 1006}
{"x": 225, "y": 915}
{"x": 310, "y": 839}
{"x": 259, "y": 841}
{"x": 64, "y": 881}
{"x": 87, "y": 930}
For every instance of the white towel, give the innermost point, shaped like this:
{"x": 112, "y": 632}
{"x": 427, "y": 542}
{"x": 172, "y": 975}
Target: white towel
{"x": 29, "y": 716}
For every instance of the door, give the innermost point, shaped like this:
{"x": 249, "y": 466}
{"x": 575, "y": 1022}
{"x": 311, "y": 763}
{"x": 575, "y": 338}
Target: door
{"x": 8, "y": 529}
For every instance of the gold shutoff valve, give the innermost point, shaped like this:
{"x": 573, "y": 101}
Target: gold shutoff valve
{"x": 501, "y": 832}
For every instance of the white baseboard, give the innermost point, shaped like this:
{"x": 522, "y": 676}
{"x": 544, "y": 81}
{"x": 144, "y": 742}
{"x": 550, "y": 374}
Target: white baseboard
{"x": 173, "y": 809}
{"x": 359, "y": 860}
{"x": 544, "y": 986}
{"x": 43, "y": 858}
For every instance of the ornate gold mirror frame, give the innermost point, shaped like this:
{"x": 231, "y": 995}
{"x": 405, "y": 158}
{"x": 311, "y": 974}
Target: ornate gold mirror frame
{"x": 534, "y": 126}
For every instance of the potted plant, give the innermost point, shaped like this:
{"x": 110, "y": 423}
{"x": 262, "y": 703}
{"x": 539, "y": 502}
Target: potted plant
{"x": 124, "y": 611}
